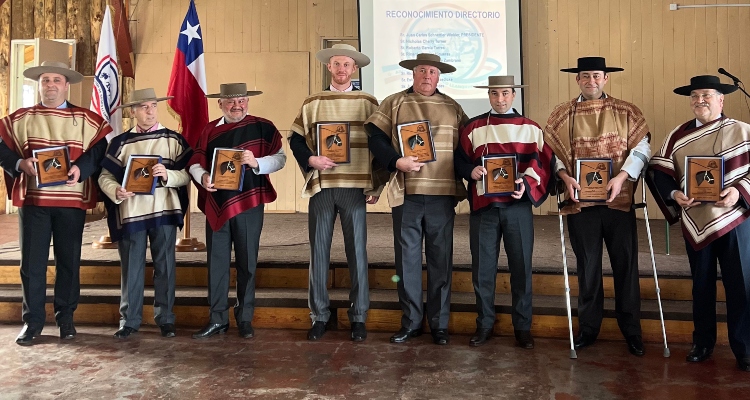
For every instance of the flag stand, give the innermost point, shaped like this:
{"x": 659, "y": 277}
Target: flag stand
{"x": 187, "y": 243}
{"x": 104, "y": 242}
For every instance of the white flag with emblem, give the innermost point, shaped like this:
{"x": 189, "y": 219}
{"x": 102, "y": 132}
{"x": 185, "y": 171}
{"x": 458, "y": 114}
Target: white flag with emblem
{"x": 105, "y": 97}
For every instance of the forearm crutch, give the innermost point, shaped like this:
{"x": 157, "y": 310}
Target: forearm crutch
{"x": 653, "y": 266}
{"x": 567, "y": 284}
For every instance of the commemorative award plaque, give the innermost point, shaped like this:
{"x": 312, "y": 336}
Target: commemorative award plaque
{"x": 502, "y": 172}
{"x": 704, "y": 177}
{"x": 415, "y": 139}
{"x": 227, "y": 171}
{"x": 333, "y": 141}
{"x": 139, "y": 176}
{"x": 52, "y": 167}
{"x": 593, "y": 175}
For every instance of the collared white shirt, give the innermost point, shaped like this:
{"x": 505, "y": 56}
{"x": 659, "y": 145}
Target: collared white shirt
{"x": 349, "y": 89}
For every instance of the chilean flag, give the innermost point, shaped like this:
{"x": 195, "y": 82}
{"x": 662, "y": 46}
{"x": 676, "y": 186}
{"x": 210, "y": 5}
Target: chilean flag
{"x": 105, "y": 95}
{"x": 188, "y": 81}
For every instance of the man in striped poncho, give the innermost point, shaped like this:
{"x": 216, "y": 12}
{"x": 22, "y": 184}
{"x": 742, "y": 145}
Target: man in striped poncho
{"x": 337, "y": 186}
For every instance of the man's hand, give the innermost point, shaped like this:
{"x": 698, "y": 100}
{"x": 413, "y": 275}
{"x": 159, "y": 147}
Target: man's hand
{"x": 121, "y": 193}
{"x": 74, "y": 173}
{"x": 518, "y": 193}
{"x": 160, "y": 171}
{"x": 206, "y": 182}
{"x": 570, "y": 184}
{"x": 729, "y": 197}
{"x": 409, "y": 164}
{"x": 248, "y": 158}
{"x": 27, "y": 166}
{"x": 478, "y": 172}
{"x": 615, "y": 185}
{"x": 684, "y": 201}
{"x": 321, "y": 163}
{"x": 372, "y": 199}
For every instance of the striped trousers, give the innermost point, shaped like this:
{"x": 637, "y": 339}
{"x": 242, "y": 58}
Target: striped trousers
{"x": 349, "y": 203}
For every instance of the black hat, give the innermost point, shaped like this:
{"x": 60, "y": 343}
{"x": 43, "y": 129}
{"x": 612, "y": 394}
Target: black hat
{"x": 705, "y": 82}
{"x": 592, "y": 64}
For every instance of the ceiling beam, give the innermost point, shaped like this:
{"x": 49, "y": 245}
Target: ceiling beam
{"x": 122, "y": 38}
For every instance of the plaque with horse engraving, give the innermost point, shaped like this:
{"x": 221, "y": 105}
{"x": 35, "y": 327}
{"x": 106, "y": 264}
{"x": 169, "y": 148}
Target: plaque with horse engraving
{"x": 227, "y": 171}
{"x": 52, "y": 166}
{"x": 139, "y": 175}
{"x": 333, "y": 141}
{"x": 415, "y": 139}
{"x": 704, "y": 177}
{"x": 593, "y": 175}
{"x": 502, "y": 172}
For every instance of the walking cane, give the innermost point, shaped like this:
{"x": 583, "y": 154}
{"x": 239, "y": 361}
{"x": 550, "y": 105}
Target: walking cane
{"x": 653, "y": 266}
{"x": 567, "y": 285}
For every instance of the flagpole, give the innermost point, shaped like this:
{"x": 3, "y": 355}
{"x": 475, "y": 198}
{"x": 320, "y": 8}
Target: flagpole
{"x": 188, "y": 243}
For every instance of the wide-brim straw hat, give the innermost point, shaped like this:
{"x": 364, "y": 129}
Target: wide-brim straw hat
{"x": 231, "y": 90}
{"x": 142, "y": 96}
{"x": 592, "y": 64}
{"x": 705, "y": 82}
{"x": 500, "y": 81}
{"x": 428, "y": 59}
{"x": 53, "y": 67}
{"x": 343, "y": 49}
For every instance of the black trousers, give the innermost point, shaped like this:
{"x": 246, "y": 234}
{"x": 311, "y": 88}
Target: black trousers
{"x": 732, "y": 251}
{"x": 37, "y": 225}
{"x": 617, "y": 229}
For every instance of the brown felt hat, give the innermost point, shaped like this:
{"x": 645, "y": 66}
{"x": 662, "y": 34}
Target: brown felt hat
{"x": 231, "y": 90}
{"x": 343, "y": 49}
{"x": 53, "y": 67}
{"x": 428, "y": 59}
{"x": 143, "y": 95}
{"x": 501, "y": 81}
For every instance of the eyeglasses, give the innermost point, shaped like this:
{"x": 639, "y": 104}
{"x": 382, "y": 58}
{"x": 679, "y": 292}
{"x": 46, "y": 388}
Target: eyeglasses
{"x": 699, "y": 97}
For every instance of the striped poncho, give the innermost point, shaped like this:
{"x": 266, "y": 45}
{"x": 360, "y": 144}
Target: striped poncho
{"x": 725, "y": 137}
{"x": 353, "y": 107}
{"x": 446, "y": 117}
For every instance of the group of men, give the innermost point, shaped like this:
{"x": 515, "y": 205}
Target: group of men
{"x": 422, "y": 195}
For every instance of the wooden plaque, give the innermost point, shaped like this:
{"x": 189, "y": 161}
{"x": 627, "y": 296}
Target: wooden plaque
{"x": 139, "y": 176}
{"x": 227, "y": 171}
{"x": 593, "y": 175}
{"x": 704, "y": 178}
{"x": 502, "y": 172}
{"x": 52, "y": 167}
{"x": 415, "y": 139}
{"x": 333, "y": 141}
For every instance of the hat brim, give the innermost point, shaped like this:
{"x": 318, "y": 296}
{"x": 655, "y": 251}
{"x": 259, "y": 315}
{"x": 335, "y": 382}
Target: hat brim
{"x": 135, "y": 103}
{"x": 501, "y": 86}
{"x": 443, "y": 67}
{"x": 35, "y": 72}
{"x": 248, "y": 94}
{"x": 723, "y": 88}
{"x": 606, "y": 70}
{"x": 360, "y": 59}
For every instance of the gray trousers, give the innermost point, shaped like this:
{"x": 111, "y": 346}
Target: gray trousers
{"x": 244, "y": 231}
{"x": 132, "y": 251}
{"x": 514, "y": 225}
{"x": 350, "y": 204}
{"x": 429, "y": 218}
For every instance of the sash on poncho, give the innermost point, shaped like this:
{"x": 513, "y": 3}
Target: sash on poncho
{"x": 722, "y": 137}
{"x": 446, "y": 116}
{"x": 489, "y": 134}
{"x": 602, "y": 128}
{"x": 38, "y": 127}
{"x": 352, "y": 107}
{"x": 252, "y": 133}
{"x": 168, "y": 205}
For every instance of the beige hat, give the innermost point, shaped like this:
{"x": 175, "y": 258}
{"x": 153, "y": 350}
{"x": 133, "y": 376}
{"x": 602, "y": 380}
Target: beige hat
{"x": 143, "y": 95}
{"x": 428, "y": 59}
{"x": 53, "y": 67}
{"x": 500, "y": 81}
{"x": 342, "y": 49}
{"x": 230, "y": 90}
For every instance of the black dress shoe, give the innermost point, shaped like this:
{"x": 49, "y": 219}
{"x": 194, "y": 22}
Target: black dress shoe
{"x": 28, "y": 333}
{"x": 699, "y": 353}
{"x": 167, "y": 330}
{"x": 440, "y": 336}
{"x": 124, "y": 332}
{"x": 744, "y": 364}
{"x": 246, "y": 330}
{"x": 359, "y": 332}
{"x": 405, "y": 334}
{"x": 317, "y": 331}
{"x": 524, "y": 339}
{"x": 210, "y": 330}
{"x": 584, "y": 340}
{"x": 635, "y": 345}
{"x": 480, "y": 337}
{"x": 67, "y": 330}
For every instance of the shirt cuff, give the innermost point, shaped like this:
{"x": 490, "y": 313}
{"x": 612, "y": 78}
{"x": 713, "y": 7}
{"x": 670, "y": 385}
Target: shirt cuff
{"x": 196, "y": 171}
